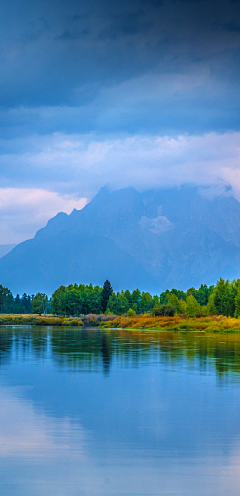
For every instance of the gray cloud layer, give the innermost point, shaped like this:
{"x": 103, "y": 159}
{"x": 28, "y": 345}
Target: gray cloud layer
{"x": 136, "y": 66}
{"x": 135, "y": 92}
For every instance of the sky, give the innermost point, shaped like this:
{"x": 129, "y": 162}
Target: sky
{"x": 142, "y": 93}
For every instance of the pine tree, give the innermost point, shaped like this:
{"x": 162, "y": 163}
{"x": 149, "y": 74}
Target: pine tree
{"x": 106, "y": 293}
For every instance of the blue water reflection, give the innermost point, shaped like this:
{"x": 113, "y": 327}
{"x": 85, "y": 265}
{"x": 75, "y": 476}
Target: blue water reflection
{"x": 90, "y": 412}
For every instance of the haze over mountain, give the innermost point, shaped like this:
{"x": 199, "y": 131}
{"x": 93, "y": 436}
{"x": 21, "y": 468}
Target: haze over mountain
{"x": 153, "y": 240}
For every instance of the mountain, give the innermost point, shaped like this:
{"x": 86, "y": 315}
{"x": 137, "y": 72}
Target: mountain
{"x": 153, "y": 240}
{"x": 4, "y": 249}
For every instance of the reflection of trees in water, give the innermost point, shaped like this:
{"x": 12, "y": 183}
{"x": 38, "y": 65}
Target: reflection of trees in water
{"x": 22, "y": 343}
{"x": 80, "y": 348}
{"x": 93, "y": 349}
{"x": 106, "y": 356}
{"x": 6, "y": 342}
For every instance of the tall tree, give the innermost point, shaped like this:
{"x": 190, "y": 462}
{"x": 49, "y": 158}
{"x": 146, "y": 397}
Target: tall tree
{"x": 57, "y": 301}
{"x": 192, "y": 306}
{"x": 146, "y": 302}
{"x": 224, "y": 296}
{"x": 4, "y": 294}
{"x": 39, "y": 303}
{"x": 106, "y": 293}
{"x": 237, "y": 304}
{"x": 175, "y": 302}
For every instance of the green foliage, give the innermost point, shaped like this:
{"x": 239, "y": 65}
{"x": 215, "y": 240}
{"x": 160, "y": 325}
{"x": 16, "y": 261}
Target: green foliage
{"x": 39, "y": 303}
{"x": 131, "y": 312}
{"x": 237, "y": 303}
{"x": 76, "y": 300}
{"x": 118, "y": 303}
{"x": 192, "y": 306}
{"x": 17, "y": 305}
{"x": 224, "y": 297}
{"x": 5, "y": 294}
{"x": 146, "y": 303}
{"x": 164, "y": 297}
{"x": 203, "y": 293}
{"x": 183, "y": 306}
{"x": 57, "y": 300}
{"x": 175, "y": 302}
{"x": 163, "y": 310}
{"x": 135, "y": 300}
{"x": 106, "y": 293}
{"x": 211, "y": 309}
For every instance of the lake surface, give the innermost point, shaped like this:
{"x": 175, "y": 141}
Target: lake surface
{"x": 90, "y": 412}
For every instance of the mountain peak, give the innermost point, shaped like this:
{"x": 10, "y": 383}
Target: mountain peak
{"x": 170, "y": 237}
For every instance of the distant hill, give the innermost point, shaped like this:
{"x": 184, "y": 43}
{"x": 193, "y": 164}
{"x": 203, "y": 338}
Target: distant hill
{"x": 4, "y": 249}
{"x": 151, "y": 240}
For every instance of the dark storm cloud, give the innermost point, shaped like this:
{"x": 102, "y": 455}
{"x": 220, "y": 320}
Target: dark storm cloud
{"x": 61, "y": 53}
{"x": 232, "y": 26}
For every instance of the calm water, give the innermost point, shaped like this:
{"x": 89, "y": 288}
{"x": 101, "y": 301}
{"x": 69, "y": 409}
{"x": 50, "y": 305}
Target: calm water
{"x": 89, "y": 413}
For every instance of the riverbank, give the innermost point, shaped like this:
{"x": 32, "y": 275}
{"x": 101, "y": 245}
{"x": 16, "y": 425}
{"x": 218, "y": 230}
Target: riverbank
{"x": 32, "y": 319}
{"x": 92, "y": 320}
{"x": 213, "y": 323}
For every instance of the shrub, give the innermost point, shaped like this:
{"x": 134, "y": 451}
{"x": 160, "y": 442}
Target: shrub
{"x": 131, "y": 312}
{"x": 92, "y": 320}
{"x": 72, "y": 322}
{"x": 108, "y": 317}
{"x": 75, "y": 322}
{"x": 164, "y": 310}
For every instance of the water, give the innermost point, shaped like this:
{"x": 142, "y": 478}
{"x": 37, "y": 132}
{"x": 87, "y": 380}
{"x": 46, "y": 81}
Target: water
{"x": 89, "y": 413}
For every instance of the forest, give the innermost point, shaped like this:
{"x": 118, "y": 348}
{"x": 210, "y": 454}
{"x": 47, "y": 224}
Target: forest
{"x": 77, "y": 300}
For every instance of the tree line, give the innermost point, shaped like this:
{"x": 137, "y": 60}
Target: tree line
{"x": 80, "y": 299}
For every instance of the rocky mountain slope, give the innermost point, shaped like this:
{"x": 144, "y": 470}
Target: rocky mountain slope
{"x": 151, "y": 240}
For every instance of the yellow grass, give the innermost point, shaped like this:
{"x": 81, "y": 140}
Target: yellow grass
{"x": 34, "y": 319}
{"x": 213, "y": 323}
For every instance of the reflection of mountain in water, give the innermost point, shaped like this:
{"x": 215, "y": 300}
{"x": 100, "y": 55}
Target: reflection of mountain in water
{"x": 93, "y": 349}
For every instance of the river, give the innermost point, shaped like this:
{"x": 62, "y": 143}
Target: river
{"x": 85, "y": 412}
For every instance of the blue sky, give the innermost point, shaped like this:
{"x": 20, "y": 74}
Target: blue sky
{"x": 140, "y": 93}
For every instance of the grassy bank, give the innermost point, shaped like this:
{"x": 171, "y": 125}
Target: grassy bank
{"x": 213, "y": 323}
{"x": 31, "y": 319}
{"x": 92, "y": 320}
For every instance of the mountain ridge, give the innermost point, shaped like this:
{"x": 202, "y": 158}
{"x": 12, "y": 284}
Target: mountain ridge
{"x": 4, "y": 249}
{"x": 153, "y": 239}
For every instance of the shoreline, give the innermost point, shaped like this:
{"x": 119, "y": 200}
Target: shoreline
{"x": 146, "y": 322}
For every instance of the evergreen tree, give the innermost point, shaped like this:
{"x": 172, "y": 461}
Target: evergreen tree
{"x": 4, "y": 294}
{"x": 106, "y": 293}
{"x": 237, "y": 304}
